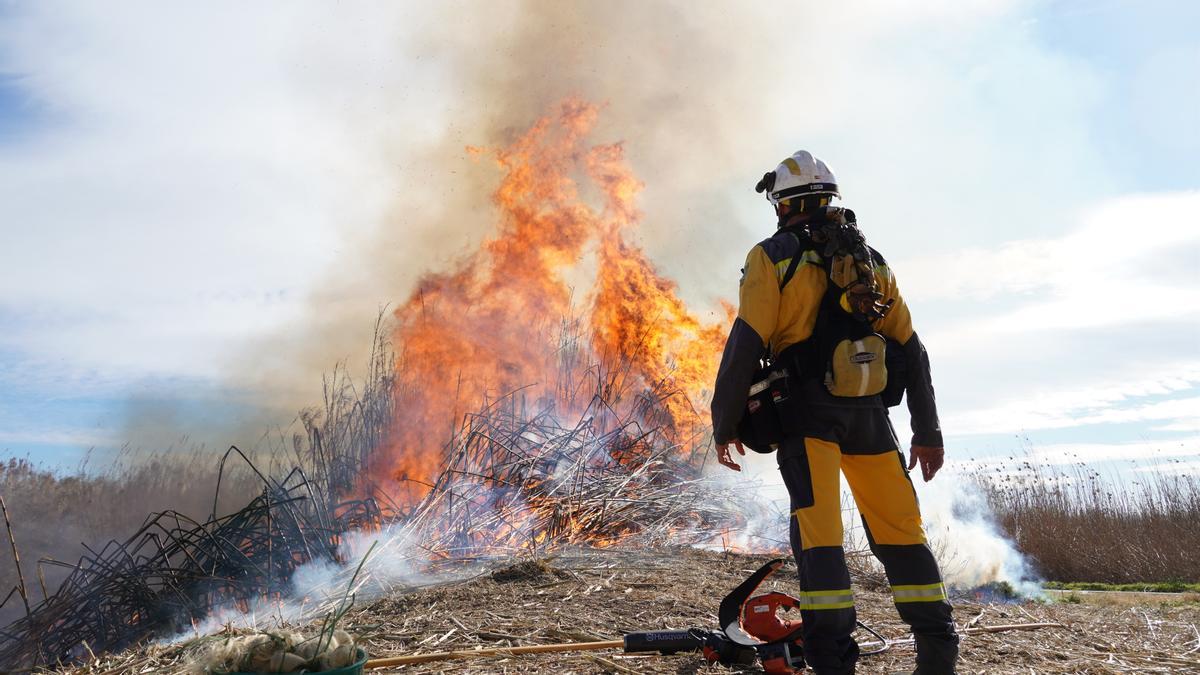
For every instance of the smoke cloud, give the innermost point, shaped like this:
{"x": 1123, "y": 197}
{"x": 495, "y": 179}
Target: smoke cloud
{"x": 700, "y": 110}
{"x": 333, "y": 142}
{"x": 699, "y": 95}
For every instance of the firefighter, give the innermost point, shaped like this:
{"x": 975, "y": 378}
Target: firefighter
{"x": 786, "y": 302}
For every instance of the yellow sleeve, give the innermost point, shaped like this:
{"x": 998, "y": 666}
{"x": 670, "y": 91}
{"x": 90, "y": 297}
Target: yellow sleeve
{"x": 897, "y": 325}
{"x": 758, "y": 299}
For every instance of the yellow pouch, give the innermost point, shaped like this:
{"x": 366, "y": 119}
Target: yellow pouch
{"x": 858, "y": 367}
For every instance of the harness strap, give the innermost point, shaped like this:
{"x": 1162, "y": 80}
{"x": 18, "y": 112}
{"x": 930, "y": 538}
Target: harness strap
{"x": 797, "y": 258}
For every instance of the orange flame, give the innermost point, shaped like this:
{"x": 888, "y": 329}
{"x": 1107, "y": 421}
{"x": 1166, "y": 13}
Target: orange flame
{"x": 501, "y": 319}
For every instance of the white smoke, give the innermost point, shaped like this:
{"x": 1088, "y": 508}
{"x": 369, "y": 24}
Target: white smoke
{"x": 377, "y": 564}
{"x": 285, "y": 170}
{"x": 970, "y": 547}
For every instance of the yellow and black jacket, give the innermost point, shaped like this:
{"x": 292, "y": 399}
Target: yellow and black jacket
{"x": 773, "y": 319}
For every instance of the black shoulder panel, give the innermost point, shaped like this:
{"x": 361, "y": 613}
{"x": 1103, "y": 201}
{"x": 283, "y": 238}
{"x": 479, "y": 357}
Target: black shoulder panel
{"x": 878, "y": 257}
{"x": 782, "y": 246}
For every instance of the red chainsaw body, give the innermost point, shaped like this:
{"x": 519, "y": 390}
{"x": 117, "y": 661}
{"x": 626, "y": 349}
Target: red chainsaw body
{"x": 760, "y": 617}
{"x": 754, "y": 621}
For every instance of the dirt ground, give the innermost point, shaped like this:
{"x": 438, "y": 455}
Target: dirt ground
{"x": 601, "y": 595}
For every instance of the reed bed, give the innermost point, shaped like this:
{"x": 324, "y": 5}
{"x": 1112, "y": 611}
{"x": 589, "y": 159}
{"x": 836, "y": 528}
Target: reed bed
{"x": 1077, "y": 524}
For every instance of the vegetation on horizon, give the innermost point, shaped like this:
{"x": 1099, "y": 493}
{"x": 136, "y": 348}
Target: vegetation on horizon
{"x": 1076, "y": 525}
{"x": 1155, "y": 587}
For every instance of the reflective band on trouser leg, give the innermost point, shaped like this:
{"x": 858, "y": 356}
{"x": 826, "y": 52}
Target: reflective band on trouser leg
{"x": 919, "y": 593}
{"x": 819, "y": 600}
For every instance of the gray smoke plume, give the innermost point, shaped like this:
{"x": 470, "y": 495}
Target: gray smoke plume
{"x": 355, "y": 128}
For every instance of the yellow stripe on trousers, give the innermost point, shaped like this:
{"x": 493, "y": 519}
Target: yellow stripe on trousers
{"x": 919, "y": 593}
{"x": 821, "y": 523}
{"x": 819, "y": 600}
{"x": 881, "y": 489}
{"x": 885, "y": 497}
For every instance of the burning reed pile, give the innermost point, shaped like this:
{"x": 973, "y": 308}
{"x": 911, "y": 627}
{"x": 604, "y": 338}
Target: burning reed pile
{"x": 525, "y": 483}
{"x": 515, "y": 482}
{"x": 611, "y": 449}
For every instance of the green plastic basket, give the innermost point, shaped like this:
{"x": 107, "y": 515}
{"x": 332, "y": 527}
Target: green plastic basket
{"x": 355, "y": 668}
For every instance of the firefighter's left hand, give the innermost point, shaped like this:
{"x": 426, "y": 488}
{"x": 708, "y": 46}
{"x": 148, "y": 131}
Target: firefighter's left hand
{"x": 726, "y": 458}
{"x": 930, "y": 458}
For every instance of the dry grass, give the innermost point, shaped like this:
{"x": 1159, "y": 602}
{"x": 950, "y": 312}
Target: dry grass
{"x": 1077, "y": 525}
{"x": 55, "y": 515}
{"x": 603, "y": 594}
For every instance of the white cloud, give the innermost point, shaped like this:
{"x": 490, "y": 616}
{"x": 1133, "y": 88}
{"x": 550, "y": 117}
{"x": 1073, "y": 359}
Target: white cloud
{"x": 1096, "y": 398}
{"x": 1172, "y": 468}
{"x": 202, "y": 168}
{"x": 1119, "y": 265}
{"x": 1135, "y": 451}
{"x": 1089, "y": 327}
{"x": 1067, "y": 463}
{"x": 1179, "y": 426}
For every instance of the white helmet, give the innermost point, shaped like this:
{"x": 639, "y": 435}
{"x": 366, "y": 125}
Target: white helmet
{"x": 797, "y": 176}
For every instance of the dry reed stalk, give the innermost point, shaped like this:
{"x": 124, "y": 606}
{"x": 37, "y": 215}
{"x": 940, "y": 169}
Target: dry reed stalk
{"x": 395, "y": 661}
{"x": 16, "y": 558}
{"x": 174, "y": 571}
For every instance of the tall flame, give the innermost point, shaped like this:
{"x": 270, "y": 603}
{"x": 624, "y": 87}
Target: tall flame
{"x": 501, "y": 319}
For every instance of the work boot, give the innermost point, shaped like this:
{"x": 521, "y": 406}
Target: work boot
{"x": 831, "y": 657}
{"x": 936, "y": 653}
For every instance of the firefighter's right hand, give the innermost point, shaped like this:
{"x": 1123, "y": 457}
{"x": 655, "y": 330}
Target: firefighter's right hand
{"x": 929, "y": 458}
{"x": 726, "y": 458}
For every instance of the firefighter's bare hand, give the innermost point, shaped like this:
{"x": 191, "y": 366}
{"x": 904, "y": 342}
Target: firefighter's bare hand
{"x": 726, "y": 458}
{"x": 930, "y": 459}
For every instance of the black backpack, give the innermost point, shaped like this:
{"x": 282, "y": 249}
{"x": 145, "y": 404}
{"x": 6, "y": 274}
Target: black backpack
{"x": 844, "y": 352}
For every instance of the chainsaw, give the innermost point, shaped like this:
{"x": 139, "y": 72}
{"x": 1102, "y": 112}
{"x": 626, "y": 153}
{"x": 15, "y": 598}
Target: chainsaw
{"x": 752, "y": 630}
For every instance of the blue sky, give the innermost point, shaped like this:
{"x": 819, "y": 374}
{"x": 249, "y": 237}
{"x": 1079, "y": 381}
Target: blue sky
{"x": 15, "y": 113}
{"x": 1138, "y": 51}
{"x": 203, "y": 206}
